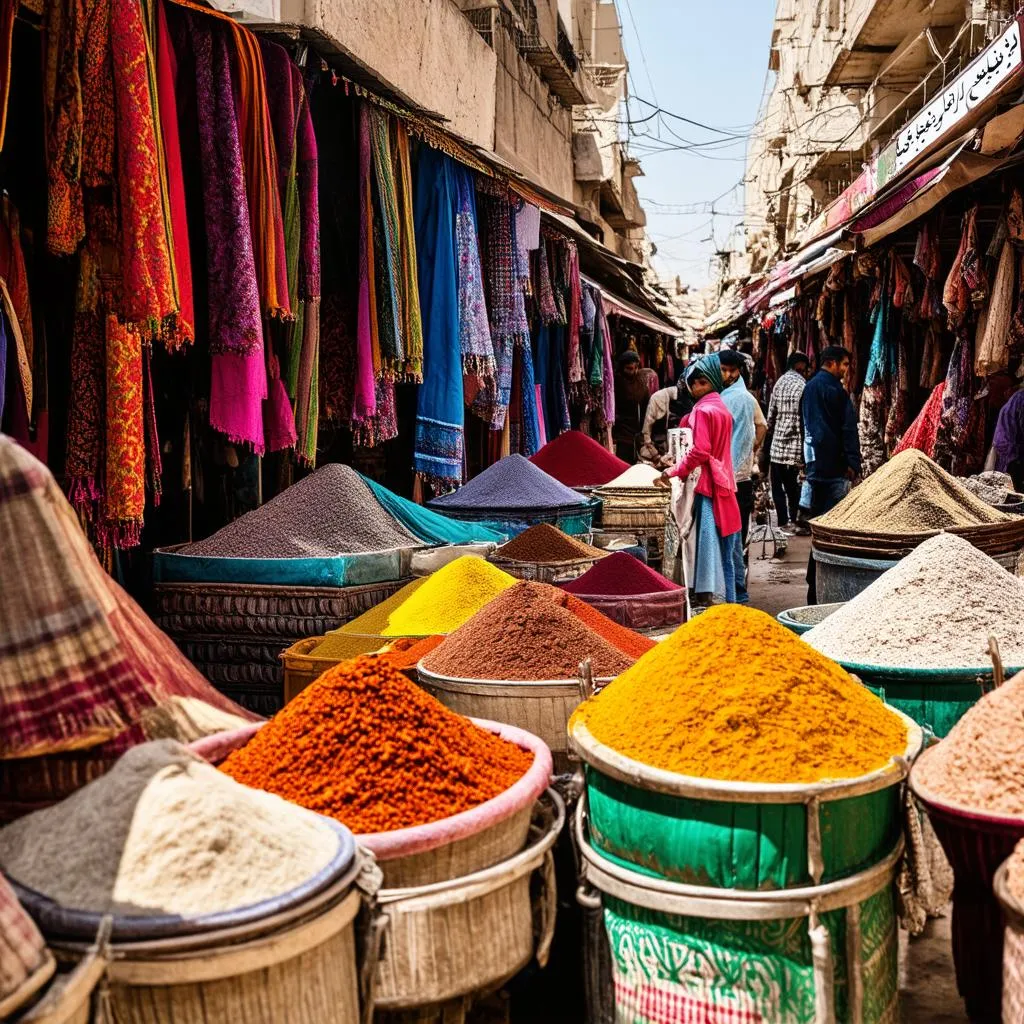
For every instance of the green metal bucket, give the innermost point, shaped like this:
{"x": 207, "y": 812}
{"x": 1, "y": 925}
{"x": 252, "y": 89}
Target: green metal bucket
{"x": 807, "y": 616}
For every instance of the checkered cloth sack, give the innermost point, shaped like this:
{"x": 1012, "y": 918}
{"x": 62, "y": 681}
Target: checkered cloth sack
{"x": 80, "y": 663}
{"x": 22, "y": 949}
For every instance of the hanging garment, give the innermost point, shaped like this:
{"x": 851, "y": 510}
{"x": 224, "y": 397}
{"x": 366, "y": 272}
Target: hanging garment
{"x": 438, "y": 446}
{"x": 368, "y": 367}
{"x": 956, "y": 295}
{"x": 870, "y": 428}
{"x": 991, "y": 340}
{"x": 17, "y": 303}
{"x": 474, "y": 328}
{"x": 957, "y": 403}
{"x": 238, "y": 375}
{"x": 921, "y": 434}
{"x": 546, "y": 305}
{"x": 409, "y": 294}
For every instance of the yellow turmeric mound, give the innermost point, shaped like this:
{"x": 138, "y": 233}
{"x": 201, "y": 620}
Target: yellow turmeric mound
{"x": 732, "y": 695}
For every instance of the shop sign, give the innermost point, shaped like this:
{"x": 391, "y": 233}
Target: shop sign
{"x": 982, "y": 79}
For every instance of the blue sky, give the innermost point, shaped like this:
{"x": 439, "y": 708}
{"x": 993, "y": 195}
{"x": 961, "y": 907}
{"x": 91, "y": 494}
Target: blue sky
{"x": 705, "y": 60}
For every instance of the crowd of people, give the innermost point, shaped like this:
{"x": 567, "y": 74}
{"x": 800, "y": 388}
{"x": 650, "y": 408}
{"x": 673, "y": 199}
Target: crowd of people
{"x": 807, "y": 445}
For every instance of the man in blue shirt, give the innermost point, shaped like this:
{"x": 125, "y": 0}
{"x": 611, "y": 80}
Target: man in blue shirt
{"x": 832, "y": 447}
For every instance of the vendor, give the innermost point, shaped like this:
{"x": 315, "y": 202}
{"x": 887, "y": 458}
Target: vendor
{"x": 664, "y": 412}
{"x": 719, "y": 572}
{"x": 631, "y": 398}
{"x": 1008, "y": 442}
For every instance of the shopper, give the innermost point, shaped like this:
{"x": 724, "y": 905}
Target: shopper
{"x": 785, "y": 429}
{"x": 832, "y": 444}
{"x": 665, "y": 410}
{"x": 631, "y": 398}
{"x": 719, "y": 571}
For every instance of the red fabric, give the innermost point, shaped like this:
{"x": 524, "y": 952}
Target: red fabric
{"x": 922, "y": 432}
{"x": 711, "y": 423}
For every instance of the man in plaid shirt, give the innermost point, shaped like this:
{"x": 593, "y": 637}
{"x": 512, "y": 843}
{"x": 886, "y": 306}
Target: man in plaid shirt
{"x": 785, "y": 428}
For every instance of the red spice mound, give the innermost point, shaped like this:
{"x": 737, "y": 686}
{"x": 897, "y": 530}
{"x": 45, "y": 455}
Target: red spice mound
{"x": 627, "y": 640}
{"x": 577, "y": 460}
{"x": 547, "y": 543}
{"x": 524, "y": 634}
{"x": 620, "y": 575}
{"x": 407, "y": 652}
{"x": 364, "y": 745}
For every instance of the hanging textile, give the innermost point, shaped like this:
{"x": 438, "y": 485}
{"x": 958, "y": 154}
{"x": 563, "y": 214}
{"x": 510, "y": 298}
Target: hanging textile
{"x": 154, "y": 461}
{"x": 438, "y": 447}
{"x": 928, "y": 259}
{"x": 238, "y": 384}
{"x": 871, "y": 428}
{"x": 8, "y": 13}
{"x": 921, "y": 434}
{"x": 608, "y": 370}
{"x": 367, "y": 351}
{"x": 991, "y": 340}
{"x": 957, "y": 402}
{"x": 409, "y": 292}
{"x": 149, "y": 295}
{"x": 170, "y": 138}
{"x": 531, "y": 435}
{"x": 546, "y": 305}
{"x": 474, "y": 328}
{"x": 17, "y": 303}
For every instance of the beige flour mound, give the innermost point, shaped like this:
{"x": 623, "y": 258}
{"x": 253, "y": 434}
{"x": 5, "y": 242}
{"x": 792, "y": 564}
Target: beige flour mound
{"x": 980, "y": 764}
{"x": 166, "y": 833}
{"x": 934, "y": 609}
{"x": 910, "y": 494}
{"x": 187, "y": 719}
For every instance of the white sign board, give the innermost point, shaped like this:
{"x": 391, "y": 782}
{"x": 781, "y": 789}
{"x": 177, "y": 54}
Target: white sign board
{"x": 968, "y": 90}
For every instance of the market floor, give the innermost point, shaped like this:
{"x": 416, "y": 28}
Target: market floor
{"x": 927, "y": 983}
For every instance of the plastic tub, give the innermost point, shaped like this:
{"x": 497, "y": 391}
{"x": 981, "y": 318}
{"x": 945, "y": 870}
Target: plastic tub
{"x": 975, "y": 844}
{"x": 841, "y": 577}
{"x": 734, "y": 835}
{"x": 454, "y": 846}
{"x": 804, "y": 618}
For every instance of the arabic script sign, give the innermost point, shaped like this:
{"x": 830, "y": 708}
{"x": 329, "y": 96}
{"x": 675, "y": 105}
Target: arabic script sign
{"x": 976, "y": 84}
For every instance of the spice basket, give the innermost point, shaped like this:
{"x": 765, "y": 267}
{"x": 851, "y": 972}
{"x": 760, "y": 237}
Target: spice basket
{"x": 1013, "y": 948}
{"x": 975, "y": 844}
{"x": 68, "y": 1000}
{"x": 660, "y": 610}
{"x": 736, "y": 835}
{"x": 814, "y": 955}
{"x": 803, "y": 619}
{"x": 297, "y": 967}
{"x": 936, "y": 698}
{"x": 173, "y": 565}
{"x": 571, "y": 519}
{"x": 1006, "y": 539}
{"x": 29, "y": 988}
{"x": 301, "y": 667}
{"x": 451, "y": 847}
{"x": 473, "y": 932}
{"x": 545, "y": 572}
{"x": 542, "y": 708}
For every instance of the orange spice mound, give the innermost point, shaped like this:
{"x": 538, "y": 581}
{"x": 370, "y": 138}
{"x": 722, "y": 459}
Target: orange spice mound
{"x": 364, "y": 745}
{"x": 627, "y": 640}
{"x": 406, "y": 653}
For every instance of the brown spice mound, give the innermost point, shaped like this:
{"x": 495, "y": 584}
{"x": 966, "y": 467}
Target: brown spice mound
{"x": 546, "y": 543}
{"x": 523, "y": 634}
{"x": 980, "y": 765}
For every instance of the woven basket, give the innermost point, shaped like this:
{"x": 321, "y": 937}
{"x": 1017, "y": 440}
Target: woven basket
{"x": 471, "y": 933}
{"x": 69, "y": 998}
{"x": 301, "y": 668}
{"x": 545, "y": 572}
{"x": 29, "y": 784}
{"x": 28, "y": 988}
{"x": 992, "y": 538}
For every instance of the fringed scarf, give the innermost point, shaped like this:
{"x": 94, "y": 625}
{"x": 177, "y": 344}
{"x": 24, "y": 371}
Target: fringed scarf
{"x": 409, "y": 293}
{"x": 474, "y": 328}
{"x": 238, "y": 374}
{"x": 125, "y": 493}
{"x": 546, "y": 305}
{"x": 367, "y": 359}
{"x": 575, "y": 316}
{"x": 438, "y": 448}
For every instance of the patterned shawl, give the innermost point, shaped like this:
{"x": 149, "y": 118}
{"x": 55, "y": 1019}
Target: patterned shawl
{"x": 409, "y": 293}
{"x": 474, "y": 328}
{"x": 364, "y": 405}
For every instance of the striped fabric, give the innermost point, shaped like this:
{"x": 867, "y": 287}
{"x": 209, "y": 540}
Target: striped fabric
{"x": 661, "y": 1003}
{"x": 22, "y": 949}
{"x": 79, "y": 660}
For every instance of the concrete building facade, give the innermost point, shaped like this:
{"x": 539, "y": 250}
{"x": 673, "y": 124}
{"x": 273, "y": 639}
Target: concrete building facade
{"x": 848, "y": 75}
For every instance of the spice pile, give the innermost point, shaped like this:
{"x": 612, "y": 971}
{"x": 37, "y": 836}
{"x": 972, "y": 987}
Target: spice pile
{"x": 910, "y": 494}
{"x": 364, "y": 745}
{"x": 546, "y": 543}
{"x": 636, "y": 477}
{"x": 577, "y": 460}
{"x": 733, "y": 695}
{"x": 992, "y": 487}
{"x": 406, "y": 653}
{"x": 438, "y": 603}
{"x": 328, "y": 513}
{"x": 524, "y": 634}
{"x": 512, "y": 482}
{"x": 934, "y": 609}
{"x": 620, "y": 575}
{"x": 163, "y": 832}
{"x": 627, "y": 640}
{"x": 980, "y": 765}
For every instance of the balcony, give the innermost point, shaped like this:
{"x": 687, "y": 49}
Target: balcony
{"x": 542, "y": 39}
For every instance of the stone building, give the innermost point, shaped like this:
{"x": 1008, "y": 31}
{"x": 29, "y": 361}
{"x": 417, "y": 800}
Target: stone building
{"x": 848, "y": 75}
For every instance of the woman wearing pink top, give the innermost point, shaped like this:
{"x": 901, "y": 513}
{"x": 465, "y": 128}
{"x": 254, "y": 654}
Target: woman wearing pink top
{"x": 719, "y": 569}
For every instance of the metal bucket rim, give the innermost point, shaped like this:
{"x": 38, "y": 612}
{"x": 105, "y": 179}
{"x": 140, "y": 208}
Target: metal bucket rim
{"x": 967, "y": 817}
{"x": 427, "y": 676}
{"x": 641, "y": 776}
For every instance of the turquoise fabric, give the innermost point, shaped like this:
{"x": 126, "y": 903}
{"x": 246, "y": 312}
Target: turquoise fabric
{"x": 431, "y": 527}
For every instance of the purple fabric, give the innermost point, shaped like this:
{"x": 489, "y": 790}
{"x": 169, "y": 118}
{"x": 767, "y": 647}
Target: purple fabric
{"x": 891, "y": 206}
{"x": 365, "y": 405}
{"x": 309, "y": 185}
{"x": 1009, "y": 436}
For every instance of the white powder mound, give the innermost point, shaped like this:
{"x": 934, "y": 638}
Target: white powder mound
{"x": 640, "y": 475}
{"x": 934, "y": 609}
{"x": 166, "y": 833}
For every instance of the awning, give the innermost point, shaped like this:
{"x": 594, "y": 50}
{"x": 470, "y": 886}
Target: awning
{"x": 618, "y": 306}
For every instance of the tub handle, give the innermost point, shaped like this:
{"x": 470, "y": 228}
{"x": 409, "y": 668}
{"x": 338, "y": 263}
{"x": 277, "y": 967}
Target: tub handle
{"x": 548, "y": 903}
{"x": 824, "y": 978}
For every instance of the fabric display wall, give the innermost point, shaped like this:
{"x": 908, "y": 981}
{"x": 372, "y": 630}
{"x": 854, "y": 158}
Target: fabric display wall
{"x": 224, "y": 255}
{"x": 935, "y": 321}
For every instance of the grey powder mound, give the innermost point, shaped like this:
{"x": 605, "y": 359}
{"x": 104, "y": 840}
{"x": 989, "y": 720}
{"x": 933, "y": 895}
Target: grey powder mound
{"x": 331, "y": 512}
{"x": 934, "y": 609}
{"x": 512, "y": 482}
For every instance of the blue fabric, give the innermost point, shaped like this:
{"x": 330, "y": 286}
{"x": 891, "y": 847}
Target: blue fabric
{"x": 883, "y": 361}
{"x": 438, "y": 447}
{"x": 719, "y": 568}
{"x": 547, "y": 363}
{"x": 831, "y": 444}
{"x": 528, "y": 387}
{"x": 431, "y": 527}
{"x": 737, "y": 401}
{"x": 826, "y": 494}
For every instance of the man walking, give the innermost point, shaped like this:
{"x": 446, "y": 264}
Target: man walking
{"x": 787, "y": 439}
{"x": 832, "y": 444}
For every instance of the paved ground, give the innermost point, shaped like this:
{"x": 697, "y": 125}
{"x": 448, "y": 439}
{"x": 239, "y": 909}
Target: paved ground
{"x": 927, "y": 984}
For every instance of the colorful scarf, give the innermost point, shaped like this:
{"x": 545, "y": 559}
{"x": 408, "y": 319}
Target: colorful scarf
{"x": 125, "y": 491}
{"x": 149, "y": 299}
{"x": 238, "y": 383}
{"x": 412, "y": 322}
{"x": 545, "y": 293}
{"x": 575, "y": 317}
{"x": 922, "y": 432}
{"x": 367, "y": 355}
{"x": 438, "y": 447}
{"x": 474, "y": 328}
{"x": 166, "y": 86}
